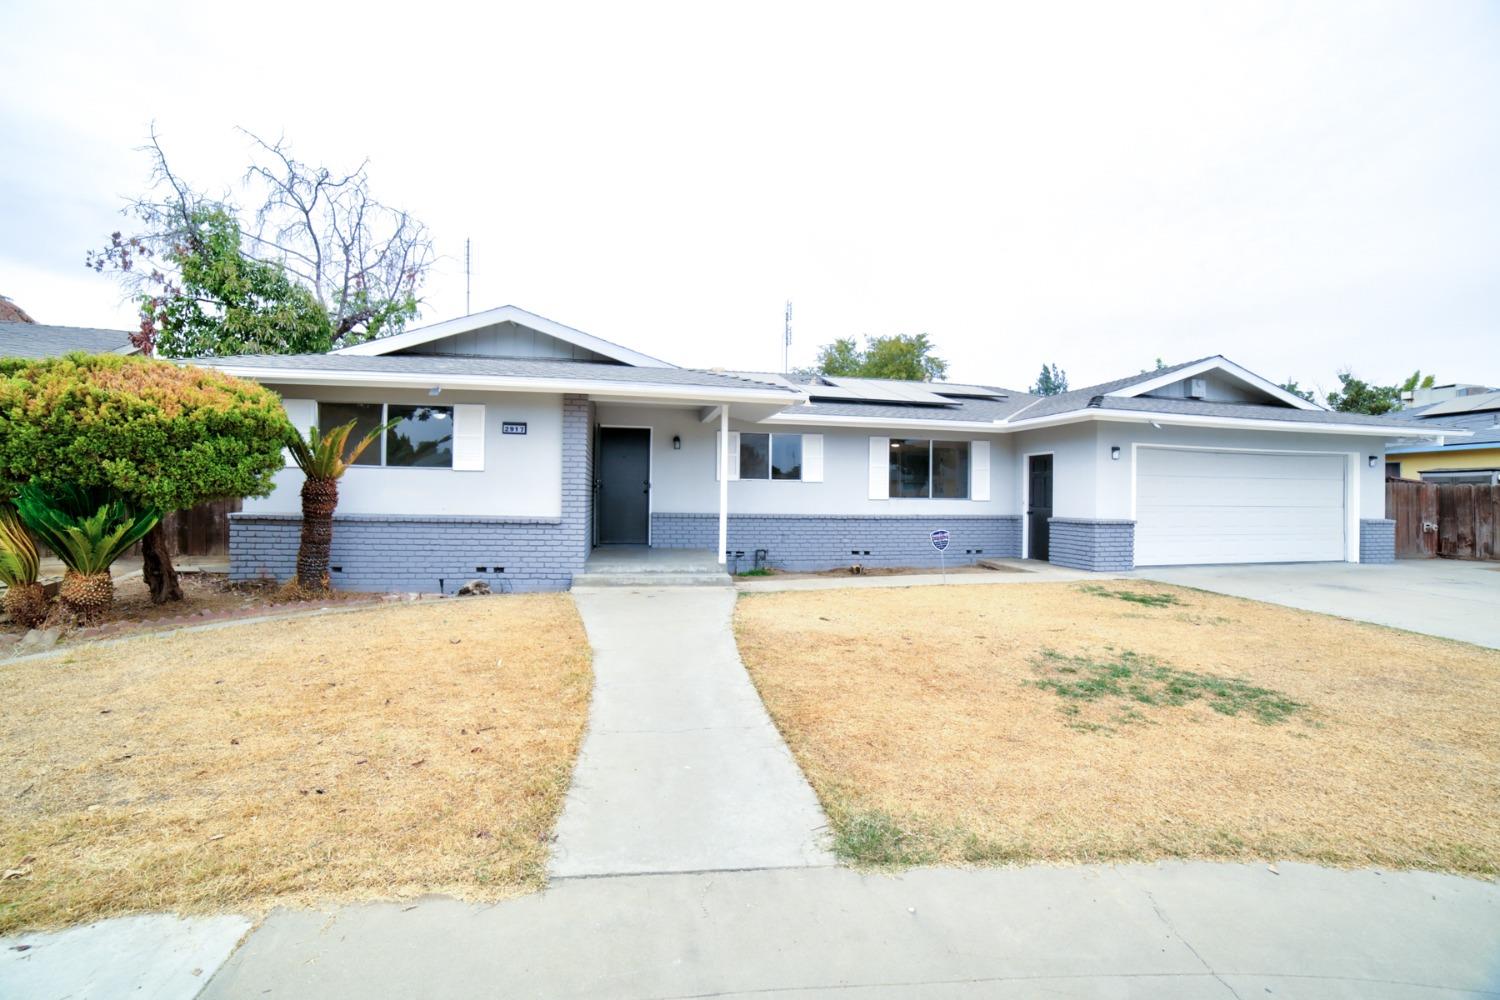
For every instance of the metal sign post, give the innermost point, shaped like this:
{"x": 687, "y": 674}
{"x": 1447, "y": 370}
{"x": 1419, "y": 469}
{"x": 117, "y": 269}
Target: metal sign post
{"x": 940, "y": 542}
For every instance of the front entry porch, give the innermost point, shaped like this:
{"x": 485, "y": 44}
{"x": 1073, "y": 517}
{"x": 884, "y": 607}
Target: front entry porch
{"x": 643, "y": 566}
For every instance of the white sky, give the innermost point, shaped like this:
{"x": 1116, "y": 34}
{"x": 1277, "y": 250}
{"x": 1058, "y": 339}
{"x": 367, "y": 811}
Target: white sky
{"x": 1300, "y": 187}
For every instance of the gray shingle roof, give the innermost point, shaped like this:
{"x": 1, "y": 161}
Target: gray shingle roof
{"x": 1252, "y": 411}
{"x": 1077, "y": 399}
{"x": 985, "y": 410}
{"x": 433, "y": 364}
{"x": 35, "y": 340}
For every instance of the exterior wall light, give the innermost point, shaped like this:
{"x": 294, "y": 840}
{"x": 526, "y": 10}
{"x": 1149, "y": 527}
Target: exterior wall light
{"x": 1373, "y": 460}
{"x": 434, "y": 390}
{"x": 676, "y": 443}
{"x": 1114, "y": 453}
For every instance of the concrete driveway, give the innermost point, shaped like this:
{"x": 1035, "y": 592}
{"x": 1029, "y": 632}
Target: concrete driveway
{"x": 1443, "y": 597}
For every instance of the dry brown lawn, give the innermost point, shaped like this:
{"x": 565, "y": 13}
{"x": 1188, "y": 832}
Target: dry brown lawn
{"x": 956, "y": 725}
{"x": 374, "y": 753}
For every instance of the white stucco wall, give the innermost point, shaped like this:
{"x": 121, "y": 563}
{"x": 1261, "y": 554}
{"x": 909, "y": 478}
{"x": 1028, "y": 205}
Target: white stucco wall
{"x": 522, "y": 475}
{"x": 1087, "y": 483}
{"x": 683, "y": 481}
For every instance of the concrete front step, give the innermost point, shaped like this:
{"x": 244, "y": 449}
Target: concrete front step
{"x": 649, "y": 579}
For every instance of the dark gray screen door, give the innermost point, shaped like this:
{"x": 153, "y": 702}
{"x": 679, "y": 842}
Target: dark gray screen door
{"x": 624, "y": 485}
{"x": 1038, "y": 505}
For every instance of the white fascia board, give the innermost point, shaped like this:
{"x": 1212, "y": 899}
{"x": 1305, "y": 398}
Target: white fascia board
{"x": 829, "y": 420}
{"x": 503, "y": 314}
{"x": 495, "y": 383}
{"x": 1225, "y": 423}
{"x": 1217, "y": 363}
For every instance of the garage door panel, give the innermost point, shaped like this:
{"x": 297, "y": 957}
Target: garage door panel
{"x": 1170, "y": 491}
{"x": 1225, "y": 507}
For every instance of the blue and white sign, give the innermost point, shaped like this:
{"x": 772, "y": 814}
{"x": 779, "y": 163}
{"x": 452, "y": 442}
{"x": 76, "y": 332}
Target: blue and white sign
{"x": 940, "y": 539}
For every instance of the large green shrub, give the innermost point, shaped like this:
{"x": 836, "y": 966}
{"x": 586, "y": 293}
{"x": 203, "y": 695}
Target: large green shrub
{"x": 156, "y": 433}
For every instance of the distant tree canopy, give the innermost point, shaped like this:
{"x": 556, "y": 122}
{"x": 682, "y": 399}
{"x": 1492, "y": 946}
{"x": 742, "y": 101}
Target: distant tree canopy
{"x": 319, "y": 263}
{"x": 1357, "y": 396}
{"x": 1291, "y": 386}
{"x": 906, "y": 356}
{"x": 1052, "y": 381}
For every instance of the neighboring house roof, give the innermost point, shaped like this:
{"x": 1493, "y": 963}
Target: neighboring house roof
{"x": 12, "y": 313}
{"x": 36, "y": 340}
{"x": 1480, "y": 402}
{"x": 410, "y": 339}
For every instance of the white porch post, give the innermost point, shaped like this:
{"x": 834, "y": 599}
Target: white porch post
{"x": 723, "y": 483}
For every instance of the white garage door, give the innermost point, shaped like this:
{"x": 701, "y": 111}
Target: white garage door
{"x": 1238, "y": 507}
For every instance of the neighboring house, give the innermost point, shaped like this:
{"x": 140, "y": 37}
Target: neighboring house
{"x": 523, "y": 444}
{"x": 37, "y": 340}
{"x": 1474, "y": 458}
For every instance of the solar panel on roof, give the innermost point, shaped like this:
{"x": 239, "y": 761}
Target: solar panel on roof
{"x": 967, "y": 391}
{"x": 884, "y": 391}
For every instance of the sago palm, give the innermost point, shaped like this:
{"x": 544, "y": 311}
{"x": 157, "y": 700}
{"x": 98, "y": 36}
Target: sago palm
{"x": 88, "y": 531}
{"x": 323, "y": 460}
{"x": 25, "y": 599}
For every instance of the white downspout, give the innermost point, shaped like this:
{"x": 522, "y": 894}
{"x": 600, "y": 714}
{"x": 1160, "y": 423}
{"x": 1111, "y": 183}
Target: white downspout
{"x": 723, "y": 484}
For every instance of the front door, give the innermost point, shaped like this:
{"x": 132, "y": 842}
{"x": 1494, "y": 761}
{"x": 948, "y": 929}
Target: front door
{"x": 1038, "y": 505}
{"x": 624, "y": 484}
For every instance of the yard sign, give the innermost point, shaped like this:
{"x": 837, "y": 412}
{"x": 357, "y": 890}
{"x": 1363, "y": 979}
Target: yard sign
{"x": 940, "y": 542}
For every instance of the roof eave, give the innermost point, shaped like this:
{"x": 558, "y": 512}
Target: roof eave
{"x": 1209, "y": 364}
{"x": 503, "y": 383}
{"x": 1228, "y": 423}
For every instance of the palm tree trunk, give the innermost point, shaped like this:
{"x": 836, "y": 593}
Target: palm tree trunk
{"x": 319, "y": 498}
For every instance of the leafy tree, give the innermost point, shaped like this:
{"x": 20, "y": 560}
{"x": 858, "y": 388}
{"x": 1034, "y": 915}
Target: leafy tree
{"x": 1052, "y": 381}
{"x": 1291, "y": 386}
{"x": 323, "y": 459}
{"x": 320, "y": 260}
{"x": 904, "y": 356}
{"x": 156, "y": 434}
{"x": 1357, "y": 396}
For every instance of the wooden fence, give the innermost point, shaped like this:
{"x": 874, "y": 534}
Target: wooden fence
{"x": 1450, "y": 520}
{"x": 198, "y": 531}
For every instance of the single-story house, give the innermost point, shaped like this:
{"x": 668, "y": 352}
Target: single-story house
{"x": 39, "y": 340}
{"x": 524, "y": 444}
{"x": 1474, "y": 458}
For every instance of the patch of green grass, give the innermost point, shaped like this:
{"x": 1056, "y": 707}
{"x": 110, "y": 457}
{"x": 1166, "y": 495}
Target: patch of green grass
{"x": 1131, "y": 679}
{"x": 762, "y": 571}
{"x": 1134, "y": 597}
{"x": 874, "y": 838}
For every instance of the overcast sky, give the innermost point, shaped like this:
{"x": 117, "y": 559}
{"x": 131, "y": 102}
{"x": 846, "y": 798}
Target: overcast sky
{"x": 1301, "y": 187}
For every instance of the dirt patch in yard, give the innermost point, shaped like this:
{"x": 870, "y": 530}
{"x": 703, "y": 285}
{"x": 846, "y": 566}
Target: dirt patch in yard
{"x": 376, "y": 753}
{"x": 1067, "y": 723}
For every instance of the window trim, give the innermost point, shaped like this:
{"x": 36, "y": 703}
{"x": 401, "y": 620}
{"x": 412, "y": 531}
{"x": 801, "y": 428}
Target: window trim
{"x": 385, "y": 416}
{"x": 771, "y": 458}
{"x": 968, "y": 447}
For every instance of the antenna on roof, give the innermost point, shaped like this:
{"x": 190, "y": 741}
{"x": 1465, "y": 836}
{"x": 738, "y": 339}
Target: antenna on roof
{"x": 467, "y": 310}
{"x": 786, "y": 344}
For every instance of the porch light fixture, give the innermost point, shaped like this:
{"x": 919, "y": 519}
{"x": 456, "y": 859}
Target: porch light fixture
{"x": 434, "y": 390}
{"x": 1373, "y": 460}
{"x": 676, "y": 443}
{"x": 1114, "y": 453}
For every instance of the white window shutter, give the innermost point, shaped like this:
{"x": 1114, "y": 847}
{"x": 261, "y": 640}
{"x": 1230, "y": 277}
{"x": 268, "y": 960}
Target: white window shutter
{"x": 468, "y": 437}
{"x": 734, "y": 455}
{"x": 979, "y": 470}
{"x": 880, "y": 468}
{"x": 812, "y": 458}
{"x": 303, "y": 414}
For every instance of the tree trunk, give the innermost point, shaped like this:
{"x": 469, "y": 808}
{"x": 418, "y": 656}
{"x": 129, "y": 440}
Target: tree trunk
{"x": 156, "y": 566}
{"x": 319, "y": 498}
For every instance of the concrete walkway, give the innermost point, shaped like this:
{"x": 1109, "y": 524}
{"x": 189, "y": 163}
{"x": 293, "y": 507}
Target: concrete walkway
{"x": 681, "y": 769}
{"x": 1156, "y": 932}
{"x": 1449, "y": 598}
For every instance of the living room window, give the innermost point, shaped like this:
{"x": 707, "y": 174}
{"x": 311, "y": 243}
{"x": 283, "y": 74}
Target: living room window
{"x": 923, "y": 468}
{"x": 421, "y": 438}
